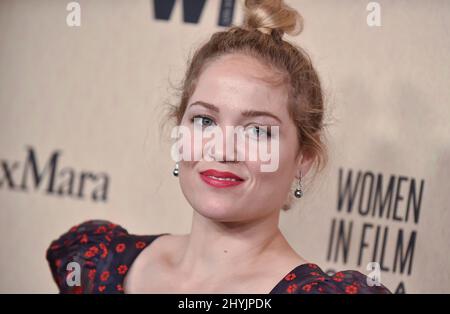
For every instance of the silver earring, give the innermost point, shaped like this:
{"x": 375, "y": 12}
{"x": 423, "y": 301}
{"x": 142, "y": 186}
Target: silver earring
{"x": 299, "y": 191}
{"x": 176, "y": 171}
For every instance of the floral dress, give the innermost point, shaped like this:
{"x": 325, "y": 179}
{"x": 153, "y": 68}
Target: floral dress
{"x": 105, "y": 252}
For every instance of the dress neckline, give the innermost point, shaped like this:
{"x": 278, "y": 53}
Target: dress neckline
{"x": 296, "y": 271}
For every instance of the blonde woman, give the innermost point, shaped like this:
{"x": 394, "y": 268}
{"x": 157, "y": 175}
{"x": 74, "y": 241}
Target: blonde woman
{"x": 245, "y": 76}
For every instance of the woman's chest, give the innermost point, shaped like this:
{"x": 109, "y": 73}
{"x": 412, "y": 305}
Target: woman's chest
{"x": 155, "y": 272}
{"x": 162, "y": 281}
{"x": 159, "y": 278}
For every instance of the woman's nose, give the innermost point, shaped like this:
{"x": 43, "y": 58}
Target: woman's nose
{"x": 228, "y": 149}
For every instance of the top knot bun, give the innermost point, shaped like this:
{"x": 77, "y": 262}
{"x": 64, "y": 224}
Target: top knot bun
{"x": 269, "y": 15}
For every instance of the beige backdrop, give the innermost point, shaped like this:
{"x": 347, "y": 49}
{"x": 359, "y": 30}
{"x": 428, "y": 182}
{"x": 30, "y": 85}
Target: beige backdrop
{"x": 94, "y": 94}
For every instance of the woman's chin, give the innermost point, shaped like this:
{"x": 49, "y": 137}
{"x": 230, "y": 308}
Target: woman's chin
{"x": 219, "y": 212}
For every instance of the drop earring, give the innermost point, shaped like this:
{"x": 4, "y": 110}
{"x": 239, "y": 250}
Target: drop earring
{"x": 176, "y": 171}
{"x": 299, "y": 191}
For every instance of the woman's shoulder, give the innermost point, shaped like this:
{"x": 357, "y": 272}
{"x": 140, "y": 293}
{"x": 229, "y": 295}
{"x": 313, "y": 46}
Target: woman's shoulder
{"x": 94, "y": 256}
{"x": 310, "y": 278}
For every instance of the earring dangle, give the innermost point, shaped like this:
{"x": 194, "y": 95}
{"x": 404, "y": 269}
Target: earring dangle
{"x": 176, "y": 171}
{"x": 299, "y": 191}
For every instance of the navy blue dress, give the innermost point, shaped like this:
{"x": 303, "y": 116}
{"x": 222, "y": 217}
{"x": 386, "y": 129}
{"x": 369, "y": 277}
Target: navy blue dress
{"x": 105, "y": 252}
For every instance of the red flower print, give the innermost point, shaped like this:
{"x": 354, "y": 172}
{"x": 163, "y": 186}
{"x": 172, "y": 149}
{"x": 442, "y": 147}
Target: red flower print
{"x": 291, "y": 288}
{"x": 54, "y": 246}
{"x": 91, "y": 274}
{"x": 101, "y": 288}
{"x": 101, "y": 229}
{"x": 92, "y": 251}
{"x": 339, "y": 274}
{"x": 73, "y": 229}
{"x": 314, "y": 273}
{"x": 307, "y": 288}
{"x": 140, "y": 244}
{"x": 122, "y": 269}
{"x": 322, "y": 278}
{"x": 120, "y": 247}
{"x": 84, "y": 238}
{"x": 311, "y": 265}
{"x": 104, "y": 249}
{"x": 88, "y": 254}
{"x": 107, "y": 238}
{"x": 352, "y": 289}
{"x": 290, "y": 276}
{"x": 104, "y": 276}
{"x": 338, "y": 279}
{"x": 58, "y": 263}
{"x": 119, "y": 287}
{"x": 112, "y": 225}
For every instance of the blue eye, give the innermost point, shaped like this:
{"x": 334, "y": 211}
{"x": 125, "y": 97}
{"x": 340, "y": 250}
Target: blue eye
{"x": 202, "y": 121}
{"x": 258, "y": 131}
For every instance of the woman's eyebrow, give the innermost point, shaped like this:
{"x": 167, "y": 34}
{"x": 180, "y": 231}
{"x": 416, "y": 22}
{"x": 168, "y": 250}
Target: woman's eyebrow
{"x": 256, "y": 113}
{"x": 245, "y": 113}
{"x": 204, "y": 104}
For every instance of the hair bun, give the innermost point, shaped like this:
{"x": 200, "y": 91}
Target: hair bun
{"x": 269, "y": 15}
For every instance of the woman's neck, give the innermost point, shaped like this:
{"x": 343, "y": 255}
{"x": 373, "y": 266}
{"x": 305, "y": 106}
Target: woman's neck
{"x": 220, "y": 250}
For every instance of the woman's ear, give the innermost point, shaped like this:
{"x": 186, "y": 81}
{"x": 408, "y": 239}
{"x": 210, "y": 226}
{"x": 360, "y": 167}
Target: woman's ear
{"x": 304, "y": 164}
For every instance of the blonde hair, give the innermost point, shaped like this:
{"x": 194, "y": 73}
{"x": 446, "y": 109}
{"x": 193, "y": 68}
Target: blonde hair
{"x": 261, "y": 36}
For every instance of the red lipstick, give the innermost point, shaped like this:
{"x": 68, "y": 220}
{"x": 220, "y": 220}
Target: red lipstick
{"x": 220, "y": 179}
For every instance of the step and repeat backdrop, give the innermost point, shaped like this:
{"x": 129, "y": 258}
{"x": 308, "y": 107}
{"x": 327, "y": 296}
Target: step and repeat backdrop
{"x": 84, "y": 86}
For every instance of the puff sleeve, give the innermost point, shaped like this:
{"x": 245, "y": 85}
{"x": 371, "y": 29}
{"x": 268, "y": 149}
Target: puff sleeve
{"x": 311, "y": 279}
{"x": 88, "y": 245}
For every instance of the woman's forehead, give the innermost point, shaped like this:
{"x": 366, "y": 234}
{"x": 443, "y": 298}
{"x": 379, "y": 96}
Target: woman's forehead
{"x": 237, "y": 82}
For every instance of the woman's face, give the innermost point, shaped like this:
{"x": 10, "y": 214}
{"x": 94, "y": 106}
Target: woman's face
{"x": 229, "y": 86}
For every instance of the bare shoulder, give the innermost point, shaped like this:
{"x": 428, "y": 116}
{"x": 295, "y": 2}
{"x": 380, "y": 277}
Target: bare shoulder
{"x": 152, "y": 262}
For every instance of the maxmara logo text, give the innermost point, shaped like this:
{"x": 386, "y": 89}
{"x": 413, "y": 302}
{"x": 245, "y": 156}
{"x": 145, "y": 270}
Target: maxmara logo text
{"x": 52, "y": 178}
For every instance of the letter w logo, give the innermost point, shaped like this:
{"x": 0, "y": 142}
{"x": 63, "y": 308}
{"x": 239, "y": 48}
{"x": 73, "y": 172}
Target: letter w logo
{"x": 192, "y": 9}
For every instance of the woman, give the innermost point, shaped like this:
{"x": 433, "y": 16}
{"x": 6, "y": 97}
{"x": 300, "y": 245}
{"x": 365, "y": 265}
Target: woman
{"x": 246, "y": 76}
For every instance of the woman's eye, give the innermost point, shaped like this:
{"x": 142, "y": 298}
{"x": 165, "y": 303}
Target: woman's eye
{"x": 202, "y": 121}
{"x": 258, "y": 131}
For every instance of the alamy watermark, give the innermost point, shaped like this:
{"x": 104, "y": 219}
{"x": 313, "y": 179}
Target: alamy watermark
{"x": 73, "y": 277}
{"x": 241, "y": 144}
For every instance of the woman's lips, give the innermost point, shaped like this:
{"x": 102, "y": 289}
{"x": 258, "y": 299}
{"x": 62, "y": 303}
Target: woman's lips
{"x": 220, "y": 179}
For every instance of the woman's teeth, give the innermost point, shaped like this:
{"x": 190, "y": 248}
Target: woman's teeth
{"x": 222, "y": 179}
